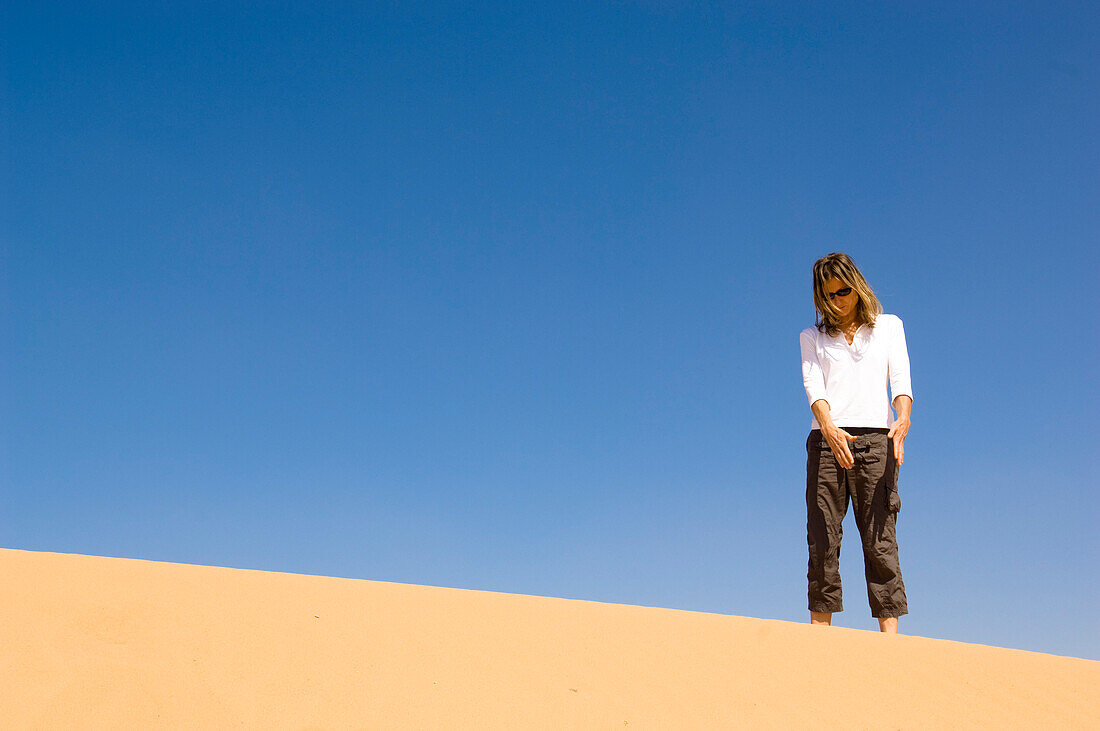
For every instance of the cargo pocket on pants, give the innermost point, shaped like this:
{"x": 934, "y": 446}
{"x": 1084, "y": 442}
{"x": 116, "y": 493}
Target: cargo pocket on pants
{"x": 893, "y": 500}
{"x": 863, "y": 453}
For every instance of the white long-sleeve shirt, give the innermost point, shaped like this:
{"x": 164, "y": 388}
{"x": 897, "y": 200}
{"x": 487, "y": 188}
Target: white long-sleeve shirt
{"x": 853, "y": 378}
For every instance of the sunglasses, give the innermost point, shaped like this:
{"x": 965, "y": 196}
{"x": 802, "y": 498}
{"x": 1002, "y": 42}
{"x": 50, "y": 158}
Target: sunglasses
{"x": 839, "y": 293}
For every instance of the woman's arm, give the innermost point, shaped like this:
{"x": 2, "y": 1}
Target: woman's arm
{"x": 901, "y": 388}
{"x": 902, "y": 405}
{"x": 838, "y": 438}
{"x": 813, "y": 378}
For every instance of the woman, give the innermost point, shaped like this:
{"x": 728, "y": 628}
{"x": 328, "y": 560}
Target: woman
{"x": 855, "y": 445}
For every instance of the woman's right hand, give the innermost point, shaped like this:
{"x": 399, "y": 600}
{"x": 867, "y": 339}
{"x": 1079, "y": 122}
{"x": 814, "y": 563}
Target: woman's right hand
{"x": 838, "y": 441}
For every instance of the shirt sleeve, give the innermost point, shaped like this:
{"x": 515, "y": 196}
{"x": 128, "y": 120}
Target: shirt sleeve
{"x": 812, "y": 376}
{"x": 897, "y": 365}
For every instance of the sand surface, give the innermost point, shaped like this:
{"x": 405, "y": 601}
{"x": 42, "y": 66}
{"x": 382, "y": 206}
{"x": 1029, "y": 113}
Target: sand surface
{"x": 90, "y": 642}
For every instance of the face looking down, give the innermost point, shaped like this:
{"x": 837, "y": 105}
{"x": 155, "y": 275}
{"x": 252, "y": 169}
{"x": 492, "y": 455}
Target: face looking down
{"x": 842, "y": 297}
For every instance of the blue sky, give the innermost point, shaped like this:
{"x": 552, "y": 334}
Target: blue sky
{"x": 503, "y": 297}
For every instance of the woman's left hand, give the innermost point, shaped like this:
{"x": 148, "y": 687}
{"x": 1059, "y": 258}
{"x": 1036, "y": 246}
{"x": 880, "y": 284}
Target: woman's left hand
{"x": 897, "y": 435}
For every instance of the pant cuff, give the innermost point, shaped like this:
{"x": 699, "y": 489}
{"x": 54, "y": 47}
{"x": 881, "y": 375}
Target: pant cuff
{"x": 890, "y": 613}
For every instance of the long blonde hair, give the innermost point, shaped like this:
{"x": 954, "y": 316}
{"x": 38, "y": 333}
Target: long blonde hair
{"x": 840, "y": 266}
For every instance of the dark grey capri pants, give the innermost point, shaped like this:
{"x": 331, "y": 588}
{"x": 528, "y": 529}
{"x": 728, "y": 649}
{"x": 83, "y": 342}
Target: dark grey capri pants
{"x": 872, "y": 487}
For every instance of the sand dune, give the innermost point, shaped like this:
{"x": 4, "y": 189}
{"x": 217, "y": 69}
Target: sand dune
{"x": 93, "y": 642}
